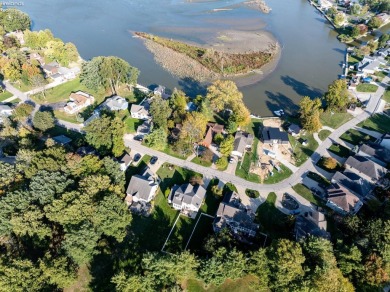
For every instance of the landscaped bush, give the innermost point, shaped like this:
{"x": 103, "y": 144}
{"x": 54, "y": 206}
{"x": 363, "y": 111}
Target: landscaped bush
{"x": 252, "y": 193}
{"x": 222, "y": 162}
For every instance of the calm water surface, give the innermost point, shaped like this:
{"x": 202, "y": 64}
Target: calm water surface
{"x": 310, "y": 59}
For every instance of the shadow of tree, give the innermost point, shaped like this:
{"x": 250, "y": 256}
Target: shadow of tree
{"x": 191, "y": 87}
{"x": 278, "y": 101}
{"x": 301, "y": 88}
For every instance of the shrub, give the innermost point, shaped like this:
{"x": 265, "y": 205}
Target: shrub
{"x": 222, "y": 162}
{"x": 252, "y": 193}
{"x": 330, "y": 163}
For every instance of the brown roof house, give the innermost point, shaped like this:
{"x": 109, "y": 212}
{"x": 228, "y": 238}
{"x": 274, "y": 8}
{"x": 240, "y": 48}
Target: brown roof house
{"x": 51, "y": 68}
{"x": 78, "y": 101}
{"x": 310, "y": 223}
{"x": 242, "y": 142}
{"x": 343, "y": 201}
{"x": 232, "y": 215}
{"x": 212, "y": 130}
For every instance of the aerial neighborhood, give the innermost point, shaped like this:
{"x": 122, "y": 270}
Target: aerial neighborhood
{"x": 148, "y": 188}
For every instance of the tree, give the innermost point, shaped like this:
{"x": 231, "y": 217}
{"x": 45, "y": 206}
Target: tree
{"x": 160, "y": 112}
{"x": 309, "y": 111}
{"x": 383, "y": 39}
{"x": 218, "y": 138}
{"x": 43, "y": 121}
{"x": 355, "y": 9}
{"x": 227, "y": 145}
{"x": 13, "y": 19}
{"x": 337, "y": 97}
{"x": 134, "y": 283}
{"x": 223, "y": 93}
{"x": 339, "y": 19}
{"x": 222, "y": 162}
{"x": 37, "y": 39}
{"x": 12, "y": 70}
{"x": 258, "y": 266}
{"x": 348, "y": 259}
{"x": 286, "y": 261}
{"x": 64, "y": 54}
{"x": 194, "y": 128}
{"x": 59, "y": 271}
{"x": 375, "y": 22}
{"x": 157, "y": 139}
{"x": 217, "y": 191}
{"x": 375, "y": 274}
{"x": 118, "y": 131}
{"x": 22, "y": 111}
{"x": 330, "y": 163}
{"x": 355, "y": 32}
{"x": 7, "y": 175}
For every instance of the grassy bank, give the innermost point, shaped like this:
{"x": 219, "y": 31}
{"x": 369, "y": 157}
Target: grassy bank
{"x": 216, "y": 61}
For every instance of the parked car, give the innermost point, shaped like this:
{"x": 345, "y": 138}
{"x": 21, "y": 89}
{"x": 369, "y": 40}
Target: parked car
{"x": 139, "y": 138}
{"x": 137, "y": 157}
{"x": 153, "y": 160}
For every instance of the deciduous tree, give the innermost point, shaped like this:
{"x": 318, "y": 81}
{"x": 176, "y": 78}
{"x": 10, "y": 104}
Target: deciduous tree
{"x": 43, "y": 121}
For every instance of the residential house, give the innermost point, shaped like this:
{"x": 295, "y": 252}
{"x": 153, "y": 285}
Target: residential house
{"x": 159, "y": 90}
{"x": 51, "y": 69}
{"x": 325, "y": 4}
{"x": 294, "y": 130}
{"x": 116, "y": 103}
{"x": 376, "y": 153}
{"x": 212, "y": 130}
{"x": 384, "y": 141}
{"x": 342, "y": 201}
{"x": 242, "y": 142}
{"x": 142, "y": 188}
{"x": 78, "y": 101}
{"x": 68, "y": 73}
{"x": 144, "y": 129}
{"x": 232, "y": 215}
{"x": 5, "y": 111}
{"x": 311, "y": 223}
{"x": 124, "y": 161}
{"x": 139, "y": 112}
{"x": 369, "y": 65}
{"x": 187, "y": 198}
{"x": 365, "y": 168}
{"x": 354, "y": 183}
{"x": 62, "y": 140}
{"x": 274, "y": 136}
{"x": 18, "y": 34}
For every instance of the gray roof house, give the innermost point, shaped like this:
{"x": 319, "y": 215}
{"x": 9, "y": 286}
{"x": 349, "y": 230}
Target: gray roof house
{"x": 354, "y": 183}
{"x": 310, "y": 223}
{"x": 124, "y": 161}
{"x": 139, "y": 112}
{"x": 294, "y": 129}
{"x": 62, "y": 140}
{"x": 365, "y": 168}
{"x": 376, "y": 153}
{"x": 116, "y": 103}
{"x": 272, "y": 135}
{"x": 384, "y": 141}
{"x": 242, "y": 141}
{"x": 342, "y": 200}
{"x": 187, "y": 198}
{"x": 233, "y": 216}
{"x": 142, "y": 187}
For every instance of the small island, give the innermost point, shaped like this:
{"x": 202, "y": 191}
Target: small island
{"x": 221, "y": 60}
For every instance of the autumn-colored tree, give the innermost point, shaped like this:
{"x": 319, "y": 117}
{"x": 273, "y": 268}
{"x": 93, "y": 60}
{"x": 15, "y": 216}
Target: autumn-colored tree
{"x": 330, "y": 163}
{"x": 194, "y": 128}
{"x": 310, "y": 114}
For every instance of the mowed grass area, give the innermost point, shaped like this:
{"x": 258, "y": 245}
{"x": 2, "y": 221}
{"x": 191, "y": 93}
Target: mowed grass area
{"x": 200, "y": 161}
{"x": 278, "y": 176}
{"x": 334, "y": 120}
{"x": 323, "y": 134}
{"x": 240, "y": 285}
{"x": 302, "y": 153}
{"x": 5, "y": 95}
{"x": 366, "y": 87}
{"x": 378, "y": 122}
{"x": 272, "y": 221}
{"x": 61, "y": 115}
{"x": 340, "y": 150}
{"x": 355, "y": 137}
{"x": 132, "y": 124}
{"x": 62, "y": 92}
{"x": 318, "y": 178}
{"x": 306, "y": 193}
{"x": 386, "y": 96}
{"x": 352, "y": 60}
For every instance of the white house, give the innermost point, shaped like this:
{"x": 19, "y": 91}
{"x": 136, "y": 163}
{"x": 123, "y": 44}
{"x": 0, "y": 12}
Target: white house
{"x": 67, "y": 73}
{"x": 124, "y": 161}
{"x": 116, "y": 103}
{"x": 142, "y": 188}
{"x": 187, "y": 198}
{"x": 242, "y": 142}
{"x": 78, "y": 101}
{"x": 5, "y": 111}
{"x": 139, "y": 112}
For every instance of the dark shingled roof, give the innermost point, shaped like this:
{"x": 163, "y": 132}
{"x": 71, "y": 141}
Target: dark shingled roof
{"x": 363, "y": 165}
{"x": 353, "y": 182}
{"x": 342, "y": 197}
{"x": 375, "y": 151}
{"x": 270, "y": 134}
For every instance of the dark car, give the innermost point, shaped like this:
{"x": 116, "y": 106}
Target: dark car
{"x": 138, "y": 138}
{"x": 153, "y": 160}
{"x": 137, "y": 157}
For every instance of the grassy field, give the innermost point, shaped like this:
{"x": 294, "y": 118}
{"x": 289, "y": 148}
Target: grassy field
{"x": 352, "y": 60}
{"x": 61, "y": 115}
{"x": 243, "y": 168}
{"x": 334, "y": 120}
{"x": 379, "y": 123}
{"x": 386, "y": 96}
{"x": 306, "y": 193}
{"x": 323, "y": 134}
{"x": 25, "y": 87}
{"x": 278, "y": 176}
{"x": 366, "y": 87}
{"x": 302, "y": 153}
{"x": 5, "y": 95}
{"x": 234, "y": 63}
{"x": 62, "y": 92}
{"x": 132, "y": 124}
{"x": 273, "y": 221}
{"x": 340, "y": 150}
{"x": 318, "y": 178}
{"x": 200, "y": 161}
{"x": 355, "y": 137}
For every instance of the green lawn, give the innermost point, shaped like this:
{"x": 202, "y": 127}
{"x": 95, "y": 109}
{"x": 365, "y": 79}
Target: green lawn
{"x": 25, "y": 87}
{"x": 273, "y": 221}
{"x": 334, "y": 120}
{"x": 380, "y": 75}
{"x": 61, "y": 115}
{"x": 352, "y": 60}
{"x": 5, "y": 95}
{"x": 278, "y": 176}
{"x": 302, "y": 153}
{"x": 323, "y": 134}
{"x": 200, "y": 161}
{"x": 366, "y": 87}
{"x": 16, "y": 100}
{"x": 243, "y": 168}
{"x": 132, "y": 124}
{"x": 318, "y": 178}
{"x": 340, "y": 150}
{"x": 379, "y": 123}
{"x": 306, "y": 193}
{"x": 386, "y": 96}
{"x": 355, "y": 137}
{"x": 173, "y": 153}
{"x": 62, "y": 92}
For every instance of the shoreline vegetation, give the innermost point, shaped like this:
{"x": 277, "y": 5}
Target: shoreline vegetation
{"x": 258, "y": 5}
{"x": 205, "y": 63}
